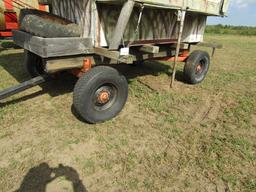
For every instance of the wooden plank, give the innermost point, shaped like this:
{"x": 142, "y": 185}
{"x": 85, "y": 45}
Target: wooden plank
{"x": 29, "y": 42}
{"x": 146, "y": 56}
{"x": 210, "y": 45}
{"x": 161, "y": 44}
{"x": 106, "y": 53}
{"x": 181, "y": 19}
{"x": 135, "y": 54}
{"x": 115, "y": 55}
{"x": 149, "y": 49}
{"x": 122, "y": 22}
{"x": 152, "y": 41}
{"x": 74, "y": 62}
{"x": 68, "y": 46}
{"x": 157, "y": 25}
{"x": 58, "y": 64}
{"x": 164, "y": 51}
{"x": 53, "y": 47}
{"x": 207, "y": 7}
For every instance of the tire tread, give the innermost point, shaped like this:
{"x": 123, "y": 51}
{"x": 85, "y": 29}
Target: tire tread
{"x": 190, "y": 64}
{"x": 82, "y": 84}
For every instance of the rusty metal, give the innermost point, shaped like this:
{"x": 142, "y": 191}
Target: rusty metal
{"x": 181, "y": 58}
{"x": 87, "y": 65}
{"x": 199, "y": 68}
{"x": 103, "y": 97}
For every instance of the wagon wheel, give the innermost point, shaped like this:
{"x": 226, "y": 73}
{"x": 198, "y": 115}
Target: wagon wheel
{"x": 196, "y": 67}
{"x": 34, "y": 64}
{"x": 100, "y": 94}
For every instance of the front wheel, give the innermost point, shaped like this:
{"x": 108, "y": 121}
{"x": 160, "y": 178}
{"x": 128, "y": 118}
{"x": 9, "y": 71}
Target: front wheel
{"x": 100, "y": 94}
{"x": 196, "y": 67}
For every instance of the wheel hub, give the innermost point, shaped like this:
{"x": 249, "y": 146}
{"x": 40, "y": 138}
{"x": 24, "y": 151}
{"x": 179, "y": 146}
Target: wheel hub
{"x": 199, "y": 68}
{"x": 103, "y": 97}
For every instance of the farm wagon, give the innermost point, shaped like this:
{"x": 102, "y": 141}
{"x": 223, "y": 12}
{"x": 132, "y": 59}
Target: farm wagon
{"x": 84, "y": 36}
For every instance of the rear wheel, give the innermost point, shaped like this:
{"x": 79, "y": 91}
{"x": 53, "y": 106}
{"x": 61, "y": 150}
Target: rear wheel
{"x": 196, "y": 67}
{"x": 34, "y": 64}
{"x": 100, "y": 94}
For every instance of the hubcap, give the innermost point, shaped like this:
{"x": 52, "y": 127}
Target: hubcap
{"x": 199, "y": 68}
{"x": 104, "y": 97}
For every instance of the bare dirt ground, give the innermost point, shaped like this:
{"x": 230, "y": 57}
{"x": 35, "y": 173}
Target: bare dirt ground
{"x": 190, "y": 138}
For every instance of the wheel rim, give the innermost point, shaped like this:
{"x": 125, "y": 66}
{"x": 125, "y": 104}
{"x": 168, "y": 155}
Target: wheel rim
{"x": 104, "y": 97}
{"x": 200, "y": 67}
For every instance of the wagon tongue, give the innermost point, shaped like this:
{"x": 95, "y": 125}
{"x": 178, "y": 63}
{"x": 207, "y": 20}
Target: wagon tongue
{"x": 22, "y": 87}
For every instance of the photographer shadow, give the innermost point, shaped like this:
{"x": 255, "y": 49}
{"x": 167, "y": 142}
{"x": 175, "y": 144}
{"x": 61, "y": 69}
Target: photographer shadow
{"x": 37, "y": 179}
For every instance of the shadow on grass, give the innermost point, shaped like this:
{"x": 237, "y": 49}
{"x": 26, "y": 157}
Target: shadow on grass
{"x": 62, "y": 83}
{"x": 13, "y": 63}
{"x": 55, "y": 86}
{"x": 133, "y": 71}
{"x": 78, "y": 117}
{"x": 39, "y": 177}
{"x": 59, "y": 84}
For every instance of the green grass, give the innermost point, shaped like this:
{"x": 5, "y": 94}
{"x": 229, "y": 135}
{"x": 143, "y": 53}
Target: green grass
{"x": 189, "y": 138}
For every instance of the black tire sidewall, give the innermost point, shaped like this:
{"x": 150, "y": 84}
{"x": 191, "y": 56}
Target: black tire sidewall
{"x": 191, "y": 64}
{"x": 85, "y": 106}
{"x": 44, "y": 27}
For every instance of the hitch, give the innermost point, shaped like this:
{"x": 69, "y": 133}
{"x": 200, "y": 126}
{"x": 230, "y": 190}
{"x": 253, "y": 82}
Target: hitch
{"x": 22, "y": 87}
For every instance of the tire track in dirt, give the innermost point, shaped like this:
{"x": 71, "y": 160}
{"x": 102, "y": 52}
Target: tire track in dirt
{"x": 208, "y": 110}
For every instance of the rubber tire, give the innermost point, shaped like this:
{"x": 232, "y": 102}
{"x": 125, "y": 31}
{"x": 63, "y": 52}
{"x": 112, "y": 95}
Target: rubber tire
{"x": 48, "y": 25}
{"x": 190, "y": 66}
{"x": 34, "y": 64}
{"x": 43, "y": 14}
{"x": 85, "y": 89}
